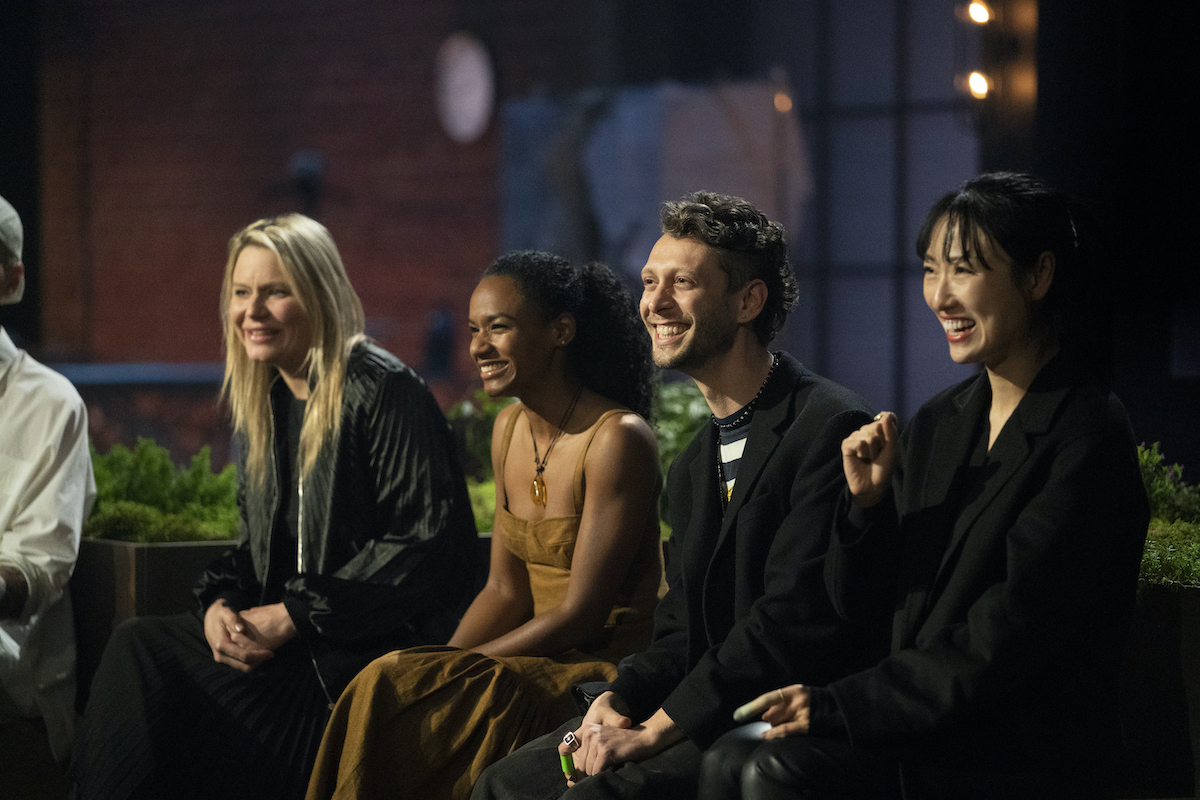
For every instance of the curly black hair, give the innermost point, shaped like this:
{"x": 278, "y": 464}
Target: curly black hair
{"x": 610, "y": 353}
{"x": 749, "y": 246}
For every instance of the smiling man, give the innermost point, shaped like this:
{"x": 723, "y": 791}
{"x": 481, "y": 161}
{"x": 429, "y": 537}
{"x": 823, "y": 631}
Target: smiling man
{"x": 750, "y": 502}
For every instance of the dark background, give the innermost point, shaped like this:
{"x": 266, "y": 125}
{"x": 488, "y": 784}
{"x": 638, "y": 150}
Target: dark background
{"x": 1115, "y": 122}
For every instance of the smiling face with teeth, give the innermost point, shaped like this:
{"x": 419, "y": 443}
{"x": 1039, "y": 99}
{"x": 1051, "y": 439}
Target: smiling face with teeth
{"x": 267, "y": 316}
{"x": 511, "y": 341}
{"x": 686, "y": 305}
{"x": 987, "y": 319}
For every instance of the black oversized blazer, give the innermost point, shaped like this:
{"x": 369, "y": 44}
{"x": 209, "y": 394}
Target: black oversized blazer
{"x": 746, "y": 610}
{"x": 1012, "y": 598}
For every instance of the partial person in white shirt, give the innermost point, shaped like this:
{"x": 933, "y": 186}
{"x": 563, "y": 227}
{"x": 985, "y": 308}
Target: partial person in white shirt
{"x": 46, "y": 491}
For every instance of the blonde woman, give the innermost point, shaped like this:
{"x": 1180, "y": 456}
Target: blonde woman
{"x": 356, "y": 539}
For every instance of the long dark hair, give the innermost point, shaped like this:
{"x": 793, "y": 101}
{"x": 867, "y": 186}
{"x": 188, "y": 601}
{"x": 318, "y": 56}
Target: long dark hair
{"x": 610, "y": 353}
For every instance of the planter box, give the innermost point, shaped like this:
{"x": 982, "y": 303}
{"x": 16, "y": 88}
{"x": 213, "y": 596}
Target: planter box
{"x": 114, "y": 581}
{"x": 1160, "y": 694}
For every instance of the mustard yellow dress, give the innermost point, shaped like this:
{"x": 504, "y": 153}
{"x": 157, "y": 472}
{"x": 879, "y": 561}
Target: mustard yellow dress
{"x": 425, "y": 722}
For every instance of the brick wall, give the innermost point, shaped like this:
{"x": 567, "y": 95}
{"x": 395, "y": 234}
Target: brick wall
{"x": 166, "y": 125}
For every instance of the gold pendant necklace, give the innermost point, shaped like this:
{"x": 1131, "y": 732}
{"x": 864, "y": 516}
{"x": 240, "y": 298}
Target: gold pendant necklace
{"x": 537, "y": 490}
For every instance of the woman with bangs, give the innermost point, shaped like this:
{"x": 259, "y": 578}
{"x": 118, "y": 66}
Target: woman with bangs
{"x": 575, "y": 561}
{"x": 356, "y": 538}
{"x": 1002, "y": 530}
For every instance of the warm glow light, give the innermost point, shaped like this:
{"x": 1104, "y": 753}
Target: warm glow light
{"x": 783, "y": 103}
{"x": 979, "y": 84}
{"x": 979, "y": 12}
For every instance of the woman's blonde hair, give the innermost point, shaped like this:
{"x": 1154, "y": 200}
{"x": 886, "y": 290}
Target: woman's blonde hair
{"x": 318, "y": 280}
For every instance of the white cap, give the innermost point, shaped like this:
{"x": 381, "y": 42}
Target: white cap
{"x": 12, "y": 235}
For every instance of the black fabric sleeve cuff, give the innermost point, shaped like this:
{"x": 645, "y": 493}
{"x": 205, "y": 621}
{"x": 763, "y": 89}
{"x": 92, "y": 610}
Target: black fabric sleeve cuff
{"x": 627, "y": 690}
{"x": 853, "y": 521}
{"x": 825, "y": 718}
{"x": 233, "y": 598}
{"x": 298, "y": 611}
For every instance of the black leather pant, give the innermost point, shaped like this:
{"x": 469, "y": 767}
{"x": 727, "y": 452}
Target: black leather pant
{"x": 742, "y": 765}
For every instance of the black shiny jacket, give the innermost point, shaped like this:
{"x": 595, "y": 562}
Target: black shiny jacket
{"x": 387, "y": 552}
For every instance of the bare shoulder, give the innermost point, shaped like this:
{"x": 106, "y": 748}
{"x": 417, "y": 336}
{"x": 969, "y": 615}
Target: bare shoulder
{"x": 498, "y": 427}
{"x": 625, "y": 435}
{"x": 503, "y": 415}
{"x": 504, "y": 419}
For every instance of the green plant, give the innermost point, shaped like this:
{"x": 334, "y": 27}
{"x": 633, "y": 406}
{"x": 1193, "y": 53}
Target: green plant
{"x": 483, "y": 502}
{"x": 1172, "y": 553}
{"x": 472, "y": 423}
{"x": 141, "y": 496}
{"x": 679, "y": 412}
{"x": 1170, "y": 498}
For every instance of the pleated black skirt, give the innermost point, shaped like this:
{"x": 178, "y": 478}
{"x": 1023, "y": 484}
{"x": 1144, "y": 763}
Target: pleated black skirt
{"x": 166, "y": 721}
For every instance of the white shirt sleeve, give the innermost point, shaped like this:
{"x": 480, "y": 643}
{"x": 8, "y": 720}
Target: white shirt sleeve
{"x": 46, "y": 482}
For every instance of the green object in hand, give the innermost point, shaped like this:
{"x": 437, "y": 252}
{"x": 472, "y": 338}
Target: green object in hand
{"x": 568, "y": 765}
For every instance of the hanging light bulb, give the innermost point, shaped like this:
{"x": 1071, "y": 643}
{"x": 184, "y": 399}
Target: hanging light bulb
{"x": 979, "y": 85}
{"x": 979, "y": 12}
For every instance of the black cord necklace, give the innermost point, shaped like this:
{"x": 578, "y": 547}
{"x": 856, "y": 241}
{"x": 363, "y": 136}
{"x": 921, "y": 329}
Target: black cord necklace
{"x": 537, "y": 490}
{"x": 748, "y": 409}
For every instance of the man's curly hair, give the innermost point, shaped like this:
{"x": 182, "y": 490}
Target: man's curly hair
{"x": 749, "y": 246}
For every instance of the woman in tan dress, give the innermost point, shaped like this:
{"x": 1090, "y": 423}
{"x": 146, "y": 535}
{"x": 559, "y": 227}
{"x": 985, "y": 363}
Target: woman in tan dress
{"x": 575, "y": 559}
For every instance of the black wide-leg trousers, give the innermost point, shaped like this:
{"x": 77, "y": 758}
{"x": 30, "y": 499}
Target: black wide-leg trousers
{"x": 165, "y": 720}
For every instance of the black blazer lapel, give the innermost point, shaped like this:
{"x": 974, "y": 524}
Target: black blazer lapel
{"x": 1011, "y": 449}
{"x": 705, "y": 517}
{"x": 760, "y": 445}
{"x": 950, "y": 446}
{"x": 953, "y": 439}
{"x": 1009, "y": 452}
{"x": 771, "y": 418}
{"x": 767, "y": 427}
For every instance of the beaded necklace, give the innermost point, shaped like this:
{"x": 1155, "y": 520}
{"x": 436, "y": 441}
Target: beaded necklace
{"x": 748, "y": 409}
{"x": 729, "y": 424}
